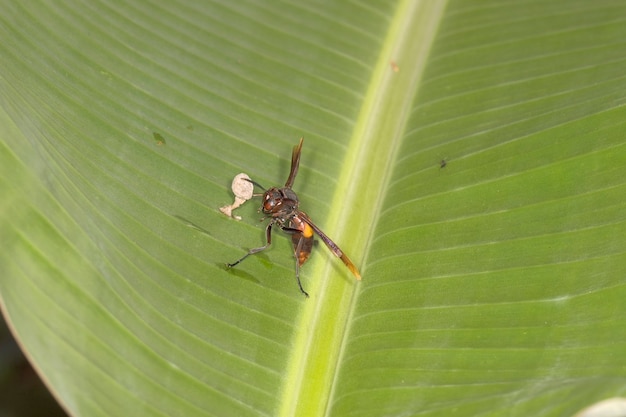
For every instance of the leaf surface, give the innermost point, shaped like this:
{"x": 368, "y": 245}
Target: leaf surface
{"x": 468, "y": 157}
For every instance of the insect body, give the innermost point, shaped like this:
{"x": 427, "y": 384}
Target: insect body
{"x": 281, "y": 206}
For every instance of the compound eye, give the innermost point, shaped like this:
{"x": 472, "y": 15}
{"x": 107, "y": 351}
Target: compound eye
{"x": 271, "y": 200}
{"x": 268, "y": 203}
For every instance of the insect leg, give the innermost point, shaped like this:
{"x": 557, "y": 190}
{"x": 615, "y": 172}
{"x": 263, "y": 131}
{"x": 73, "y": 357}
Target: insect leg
{"x": 297, "y": 255}
{"x": 268, "y": 237}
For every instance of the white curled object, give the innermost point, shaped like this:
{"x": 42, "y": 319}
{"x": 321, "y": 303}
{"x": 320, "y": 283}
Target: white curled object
{"x": 243, "y": 190}
{"x": 612, "y": 407}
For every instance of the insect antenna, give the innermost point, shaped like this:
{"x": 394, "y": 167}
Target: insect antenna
{"x": 256, "y": 184}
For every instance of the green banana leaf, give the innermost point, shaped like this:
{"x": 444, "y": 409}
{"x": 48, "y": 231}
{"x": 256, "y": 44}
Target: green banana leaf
{"x": 469, "y": 157}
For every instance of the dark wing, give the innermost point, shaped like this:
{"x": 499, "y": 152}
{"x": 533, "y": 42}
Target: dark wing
{"x": 295, "y": 163}
{"x": 331, "y": 245}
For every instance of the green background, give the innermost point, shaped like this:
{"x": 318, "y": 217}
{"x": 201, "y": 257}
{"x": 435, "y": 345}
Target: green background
{"x": 492, "y": 286}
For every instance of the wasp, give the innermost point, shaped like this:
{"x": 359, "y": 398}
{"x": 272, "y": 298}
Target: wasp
{"x": 280, "y": 205}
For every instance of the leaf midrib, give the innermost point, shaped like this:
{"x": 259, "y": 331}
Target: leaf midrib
{"x": 314, "y": 366}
